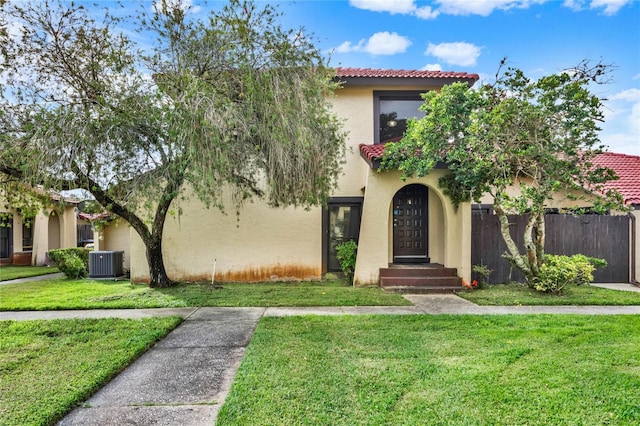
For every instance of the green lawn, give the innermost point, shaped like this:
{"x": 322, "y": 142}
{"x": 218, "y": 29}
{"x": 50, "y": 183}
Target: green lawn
{"x": 439, "y": 370}
{"x": 48, "y": 367}
{"x": 520, "y": 294}
{"x": 94, "y": 294}
{"x": 10, "y": 272}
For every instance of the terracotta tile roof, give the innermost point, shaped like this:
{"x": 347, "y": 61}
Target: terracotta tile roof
{"x": 385, "y": 73}
{"x": 627, "y": 167}
{"x": 371, "y": 152}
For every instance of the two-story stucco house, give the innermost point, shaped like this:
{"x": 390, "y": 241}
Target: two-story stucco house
{"x": 394, "y": 222}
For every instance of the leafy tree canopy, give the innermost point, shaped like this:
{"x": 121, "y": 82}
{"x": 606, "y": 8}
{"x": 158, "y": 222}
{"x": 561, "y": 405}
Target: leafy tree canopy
{"x": 230, "y": 102}
{"x": 537, "y": 136}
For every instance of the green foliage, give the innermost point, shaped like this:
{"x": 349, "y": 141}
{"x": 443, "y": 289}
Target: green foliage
{"x": 346, "y": 253}
{"x": 559, "y": 271}
{"x": 483, "y": 272}
{"x": 73, "y": 262}
{"x": 518, "y": 294}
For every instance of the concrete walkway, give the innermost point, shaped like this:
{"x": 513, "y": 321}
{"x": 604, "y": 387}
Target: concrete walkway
{"x": 36, "y": 278}
{"x": 184, "y": 379}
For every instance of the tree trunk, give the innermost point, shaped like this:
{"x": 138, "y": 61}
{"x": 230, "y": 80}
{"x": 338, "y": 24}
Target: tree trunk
{"x": 513, "y": 253}
{"x": 531, "y": 248}
{"x": 157, "y": 274}
{"x": 152, "y": 239}
{"x": 541, "y": 233}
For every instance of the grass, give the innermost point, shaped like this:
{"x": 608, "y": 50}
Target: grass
{"x": 48, "y": 367}
{"x": 10, "y": 272}
{"x": 520, "y": 294}
{"x": 439, "y": 370}
{"x": 62, "y": 293}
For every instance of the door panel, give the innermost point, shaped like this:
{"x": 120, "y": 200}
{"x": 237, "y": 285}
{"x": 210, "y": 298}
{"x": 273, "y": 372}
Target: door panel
{"x": 410, "y": 218}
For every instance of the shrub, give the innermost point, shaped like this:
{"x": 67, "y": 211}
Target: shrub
{"x": 558, "y": 271}
{"x": 482, "y": 272}
{"x": 346, "y": 253}
{"x": 73, "y": 262}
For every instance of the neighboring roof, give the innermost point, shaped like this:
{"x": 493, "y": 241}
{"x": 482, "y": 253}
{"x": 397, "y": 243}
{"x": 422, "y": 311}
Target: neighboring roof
{"x": 369, "y": 76}
{"x": 627, "y": 167}
{"x": 94, "y": 216}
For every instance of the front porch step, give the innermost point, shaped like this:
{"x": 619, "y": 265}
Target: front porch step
{"x": 420, "y": 279}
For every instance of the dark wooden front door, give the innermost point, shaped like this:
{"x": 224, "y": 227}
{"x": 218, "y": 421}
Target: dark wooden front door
{"x": 410, "y": 218}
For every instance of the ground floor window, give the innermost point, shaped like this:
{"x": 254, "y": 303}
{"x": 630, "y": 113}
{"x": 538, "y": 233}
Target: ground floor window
{"x": 6, "y": 233}
{"x": 341, "y": 222}
{"x": 27, "y": 235}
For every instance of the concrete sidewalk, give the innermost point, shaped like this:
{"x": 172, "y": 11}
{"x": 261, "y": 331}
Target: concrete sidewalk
{"x": 184, "y": 379}
{"x": 36, "y": 278}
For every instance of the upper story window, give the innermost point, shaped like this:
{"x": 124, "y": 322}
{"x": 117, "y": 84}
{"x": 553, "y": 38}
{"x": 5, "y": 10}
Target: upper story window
{"x": 392, "y": 109}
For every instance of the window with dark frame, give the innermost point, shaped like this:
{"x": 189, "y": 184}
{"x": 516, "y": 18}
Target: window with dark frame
{"x": 392, "y": 109}
{"x": 27, "y": 235}
{"x": 6, "y": 236}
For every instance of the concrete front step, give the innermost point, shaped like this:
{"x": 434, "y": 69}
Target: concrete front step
{"x": 420, "y": 279}
{"x": 422, "y": 290}
{"x": 418, "y": 272}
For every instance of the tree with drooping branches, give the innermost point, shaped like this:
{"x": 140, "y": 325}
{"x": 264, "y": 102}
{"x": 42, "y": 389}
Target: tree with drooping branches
{"x": 228, "y": 102}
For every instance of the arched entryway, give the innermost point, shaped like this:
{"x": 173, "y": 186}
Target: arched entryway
{"x": 54, "y": 231}
{"x": 411, "y": 225}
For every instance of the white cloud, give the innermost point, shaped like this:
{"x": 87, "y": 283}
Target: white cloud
{"x": 391, "y": 6}
{"x": 621, "y": 128}
{"x": 347, "y": 47}
{"x": 629, "y": 95}
{"x": 404, "y": 7}
{"x": 574, "y": 4}
{"x": 482, "y": 7}
{"x": 459, "y": 53}
{"x": 475, "y": 7}
{"x": 611, "y": 7}
{"x": 382, "y": 43}
{"x": 432, "y": 67}
{"x": 426, "y": 12}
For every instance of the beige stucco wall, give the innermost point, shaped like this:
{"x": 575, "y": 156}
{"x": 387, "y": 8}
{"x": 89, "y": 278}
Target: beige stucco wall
{"x": 61, "y": 231}
{"x": 260, "y": 244}
{"x": 449, "y": 245}
{"x": 116, "y": 236}
{"x": 561, "y": 200}
{"x": 635, "y": 222}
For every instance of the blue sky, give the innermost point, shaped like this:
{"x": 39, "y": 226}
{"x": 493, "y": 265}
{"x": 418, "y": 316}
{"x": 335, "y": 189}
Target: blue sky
{"x": 540, "y": 37}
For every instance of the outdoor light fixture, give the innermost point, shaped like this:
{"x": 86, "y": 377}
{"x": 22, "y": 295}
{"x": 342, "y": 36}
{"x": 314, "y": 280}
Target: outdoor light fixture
{"x": 392, "y": 123}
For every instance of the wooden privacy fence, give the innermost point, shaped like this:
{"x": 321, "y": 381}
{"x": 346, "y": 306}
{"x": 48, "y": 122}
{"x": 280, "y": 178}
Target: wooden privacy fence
{"x": 606, "y": 237}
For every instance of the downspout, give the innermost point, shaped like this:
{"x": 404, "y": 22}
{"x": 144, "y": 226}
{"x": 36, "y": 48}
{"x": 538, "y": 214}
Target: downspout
{"x": 633, "y": 222}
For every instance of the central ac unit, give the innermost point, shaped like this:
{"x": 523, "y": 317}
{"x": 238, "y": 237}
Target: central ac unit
{"x": 105, "y": 264}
